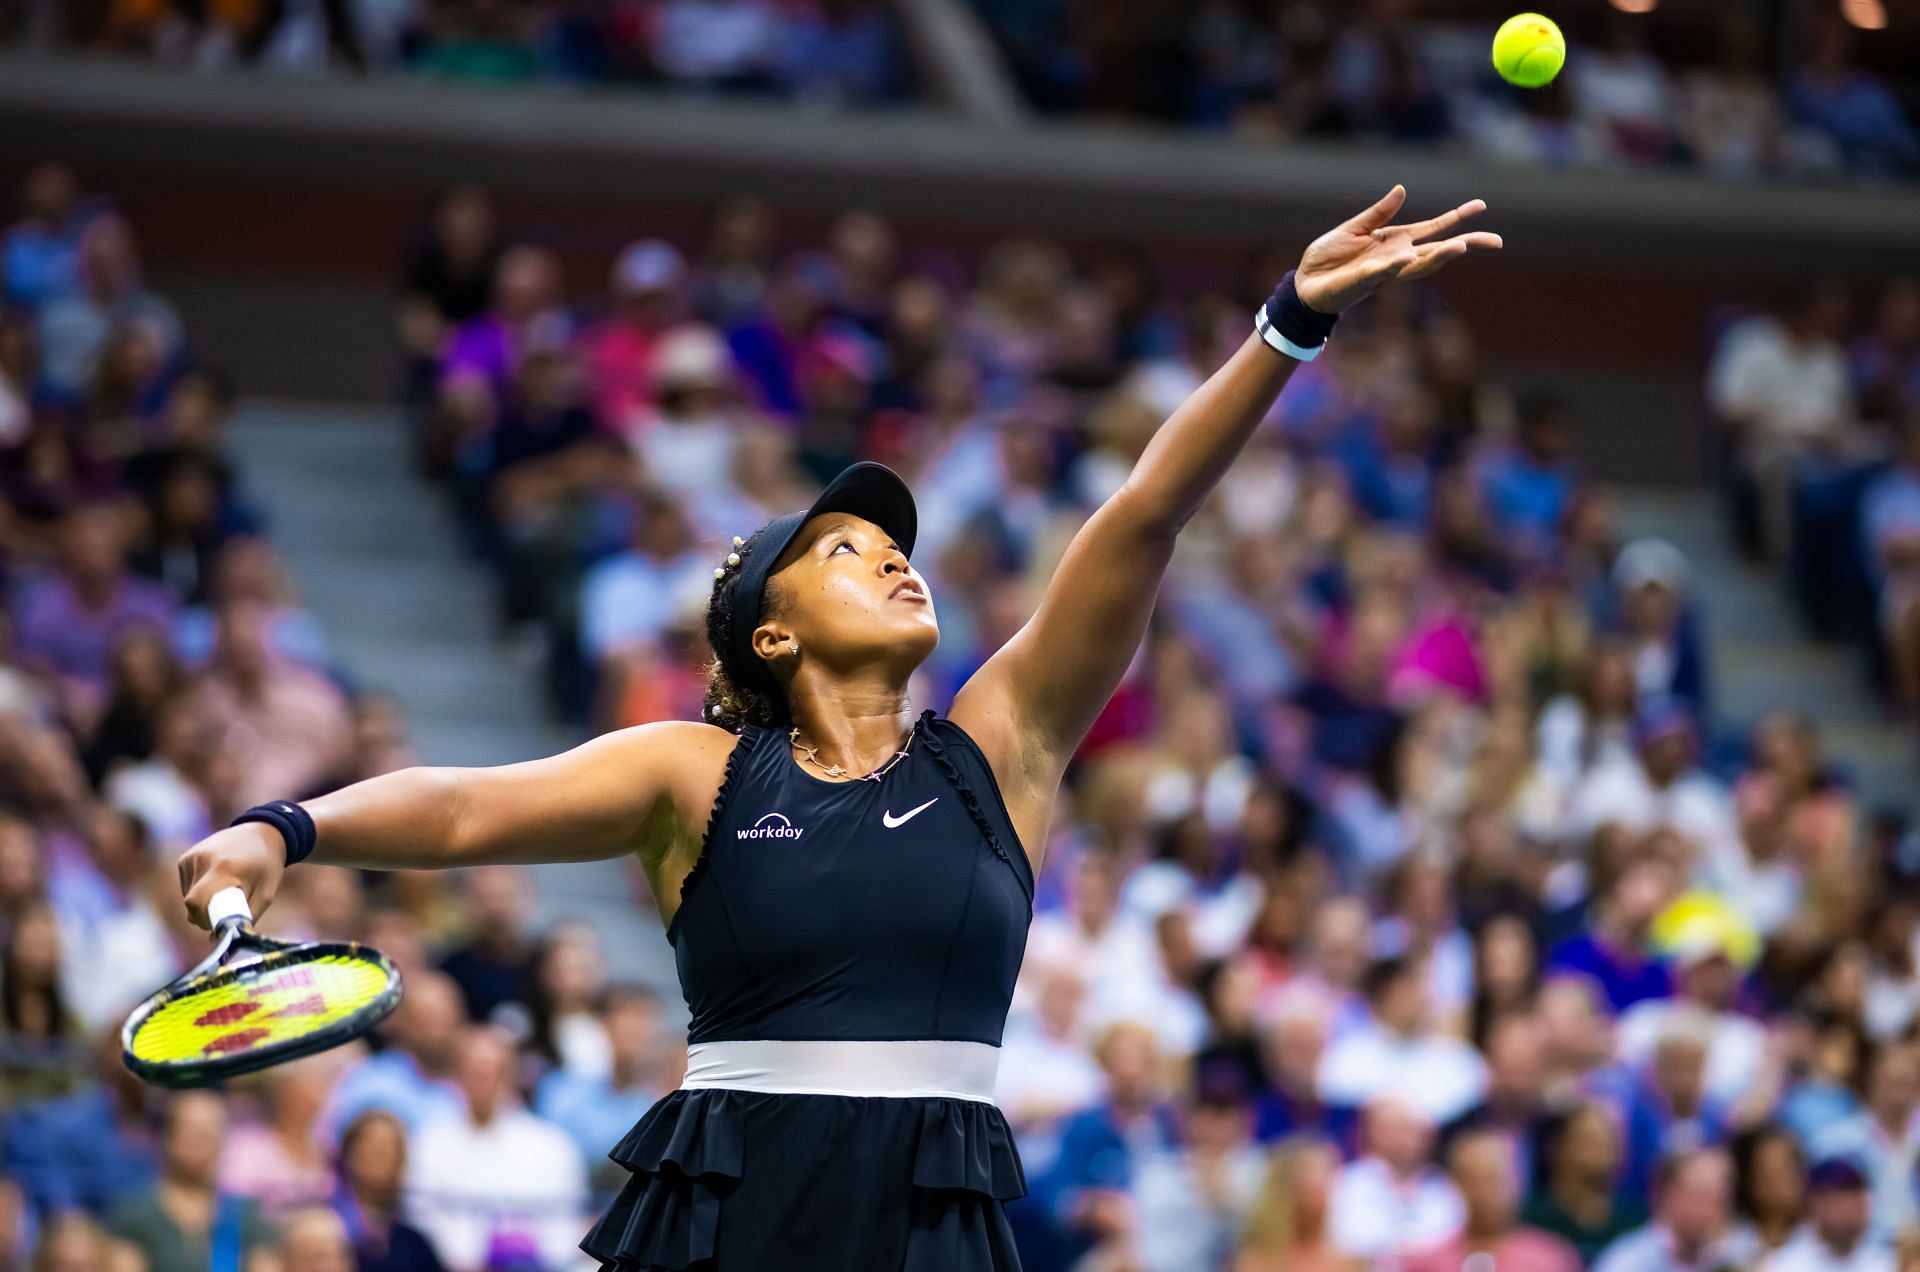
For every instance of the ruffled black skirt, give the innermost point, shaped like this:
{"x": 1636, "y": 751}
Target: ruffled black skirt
{"x": 741, "y": 1181}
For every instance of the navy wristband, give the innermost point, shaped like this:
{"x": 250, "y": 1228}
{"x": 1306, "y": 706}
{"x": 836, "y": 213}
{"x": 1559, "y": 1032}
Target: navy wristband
{"x": 294, "y": 823}
{"x": 1287, "y": 323}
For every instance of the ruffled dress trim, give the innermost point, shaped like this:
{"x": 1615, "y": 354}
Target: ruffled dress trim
{"x": 688, "y": 1152}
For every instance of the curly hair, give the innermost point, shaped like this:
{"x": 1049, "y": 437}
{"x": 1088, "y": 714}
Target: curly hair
{"x": 739, "y": 696}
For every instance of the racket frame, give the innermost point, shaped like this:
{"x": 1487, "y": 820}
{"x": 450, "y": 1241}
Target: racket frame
{"x": 235, "y": 936}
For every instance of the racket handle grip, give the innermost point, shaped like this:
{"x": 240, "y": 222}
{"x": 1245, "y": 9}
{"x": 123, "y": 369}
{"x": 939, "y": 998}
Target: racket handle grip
{"x": 226, "y": 904}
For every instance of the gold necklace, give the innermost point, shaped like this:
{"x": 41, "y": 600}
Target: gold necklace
{"x": 811, "y": 755}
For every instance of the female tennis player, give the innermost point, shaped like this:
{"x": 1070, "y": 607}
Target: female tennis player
{"x": 846, "y": 887}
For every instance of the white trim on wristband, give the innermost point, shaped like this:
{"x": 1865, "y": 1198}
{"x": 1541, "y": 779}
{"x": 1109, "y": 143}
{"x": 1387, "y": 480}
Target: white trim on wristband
{"x": 1271, "y": 334}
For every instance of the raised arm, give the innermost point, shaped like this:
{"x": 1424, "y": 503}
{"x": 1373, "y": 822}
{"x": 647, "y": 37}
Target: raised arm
{"x": 644, "y": 790}
{"x": 1034, "y": 700}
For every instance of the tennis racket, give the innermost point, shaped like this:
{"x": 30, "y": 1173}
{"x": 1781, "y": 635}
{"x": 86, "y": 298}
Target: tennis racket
{"x": 256, "y": 1002}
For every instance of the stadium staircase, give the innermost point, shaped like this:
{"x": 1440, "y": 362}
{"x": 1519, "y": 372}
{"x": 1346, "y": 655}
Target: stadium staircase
{"x": 375, "y": 554}
{"x": 1760, "y": 657}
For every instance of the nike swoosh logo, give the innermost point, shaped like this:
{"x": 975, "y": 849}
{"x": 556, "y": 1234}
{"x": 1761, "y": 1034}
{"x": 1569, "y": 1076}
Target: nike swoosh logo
{"x": 891, "y": 822}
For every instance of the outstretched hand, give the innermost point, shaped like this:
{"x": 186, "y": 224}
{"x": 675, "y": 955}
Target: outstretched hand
{"x": 1354, "y": 260}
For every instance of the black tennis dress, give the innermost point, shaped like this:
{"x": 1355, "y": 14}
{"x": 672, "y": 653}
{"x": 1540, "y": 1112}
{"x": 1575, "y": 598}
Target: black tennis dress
{"x": 847, "y": 951}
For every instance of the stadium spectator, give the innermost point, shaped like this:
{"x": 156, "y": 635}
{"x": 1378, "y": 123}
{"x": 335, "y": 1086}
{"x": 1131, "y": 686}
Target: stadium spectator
{"x": 40, "y": 253}
{"x": 1769, "y": 1189}
{"x": 493, "y": 964}
{"x": 1400, "y": 1053}
{"x": 631, "y": 598}
{"x": 1624, "y": 95}
{"x": 1852, "y": 109}
{"x": 1837, "y": 1234}
{"x": 1578, "y": 1196}
{"x": 411, "y": 1077}
{"x": 372, "y": 1168}
{"x": 314, "y": 1240}
{"x": 1287, "y": 1231}
{"x": 74, "y": 1242}
{"x": 1515, "y": 1105}
{"x": 595, "y": 1108}
{"x": 480, "y": 356}
{"x": 720, "y": 44}
{"x": 843, "y": 52}
{"x": 648, "y": 303}
{"x": 1690, "y": 1223}
{"x": 1662, "y": 790}
{"x": 564, "y": 1029}
{"x": 447, "y": 281}
{"x": 67, "y": 621}
{"x": 289, "y": 728}
{"x": 492, "y": 1184}
{"x": 279, "y": 1160}
{"x": 1886, "y": 359}
{"x": 76, "y": 326}
{"x": 187, "y": 1223}
{"x": 1614, "y": 949}
{"x": 114, "y": 944}
{"x": 1046, "y": 1071}
{"x": 1729, "y": 115}
{"x": 1193, "y": 1202}
{"x": 1485, "y": 1171}
{"x": 1890, "y": 528}
{"x": 1658, "y": 626}
{"x": 41, "y": 1051}
{"x": 168, "y": 790}
{"x": 1707, "y": 982}
{"x": 1782, "y": 387}
{"x": 1392, "y": 1202}
{"x": 1087, "y": 1188}
{"x": 1883, "y": 1138}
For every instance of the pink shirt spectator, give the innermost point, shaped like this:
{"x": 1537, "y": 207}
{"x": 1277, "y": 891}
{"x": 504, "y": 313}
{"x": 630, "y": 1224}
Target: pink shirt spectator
{"x": 288, "y": 737}
{"x": 1524, "y": 1250}
{"x": 619, "y": 358}
{"x": 255, "y": 1163}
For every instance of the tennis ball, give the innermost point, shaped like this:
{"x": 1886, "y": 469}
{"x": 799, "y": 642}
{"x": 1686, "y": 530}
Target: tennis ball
{"x": 1529, "y": 50}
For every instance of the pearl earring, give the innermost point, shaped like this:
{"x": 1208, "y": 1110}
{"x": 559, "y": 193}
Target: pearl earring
{"x": 793, "y": 646}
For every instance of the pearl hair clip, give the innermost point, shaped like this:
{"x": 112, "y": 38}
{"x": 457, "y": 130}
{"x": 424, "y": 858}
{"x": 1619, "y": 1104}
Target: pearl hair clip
{"x": 733, "y": 559}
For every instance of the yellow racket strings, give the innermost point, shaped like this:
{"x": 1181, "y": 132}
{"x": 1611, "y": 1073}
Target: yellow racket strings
{"x": 258, "y": 1009}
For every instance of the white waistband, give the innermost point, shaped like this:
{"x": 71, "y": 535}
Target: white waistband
{"x": 958, "y": 1070}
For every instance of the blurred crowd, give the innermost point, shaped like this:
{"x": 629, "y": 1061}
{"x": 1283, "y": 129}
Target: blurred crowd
{"x": 1408, "y": 904}
{"x": 1719, "y": 93}
{"x": 1816, "y": 409}
{"x": 829, "y": 52}
{"x": 1721, "y": 100}
{"x": 157, "y": 675}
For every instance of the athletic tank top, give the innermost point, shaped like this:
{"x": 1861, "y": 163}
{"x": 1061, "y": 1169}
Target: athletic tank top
{"x": 881, "y": 911}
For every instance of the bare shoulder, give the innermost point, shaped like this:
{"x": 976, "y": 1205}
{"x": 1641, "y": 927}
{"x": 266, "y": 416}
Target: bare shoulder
{"x": 692, "y": 754}
{"x": 691, "y": 758}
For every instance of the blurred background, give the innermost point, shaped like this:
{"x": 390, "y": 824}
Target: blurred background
{"x": 1502, "y": 843}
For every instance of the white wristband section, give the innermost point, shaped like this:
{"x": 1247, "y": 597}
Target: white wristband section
{"x": 899, "y": 1070}
{"x": 1271, "y": 334}
{"x": 228, "y": 903}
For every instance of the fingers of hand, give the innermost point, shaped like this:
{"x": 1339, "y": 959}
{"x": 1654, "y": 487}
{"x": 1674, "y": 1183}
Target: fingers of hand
{"x": 1380, "y": 213}
{"x": 1440, "y": 224}
{"x": 1432, "y": 256}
